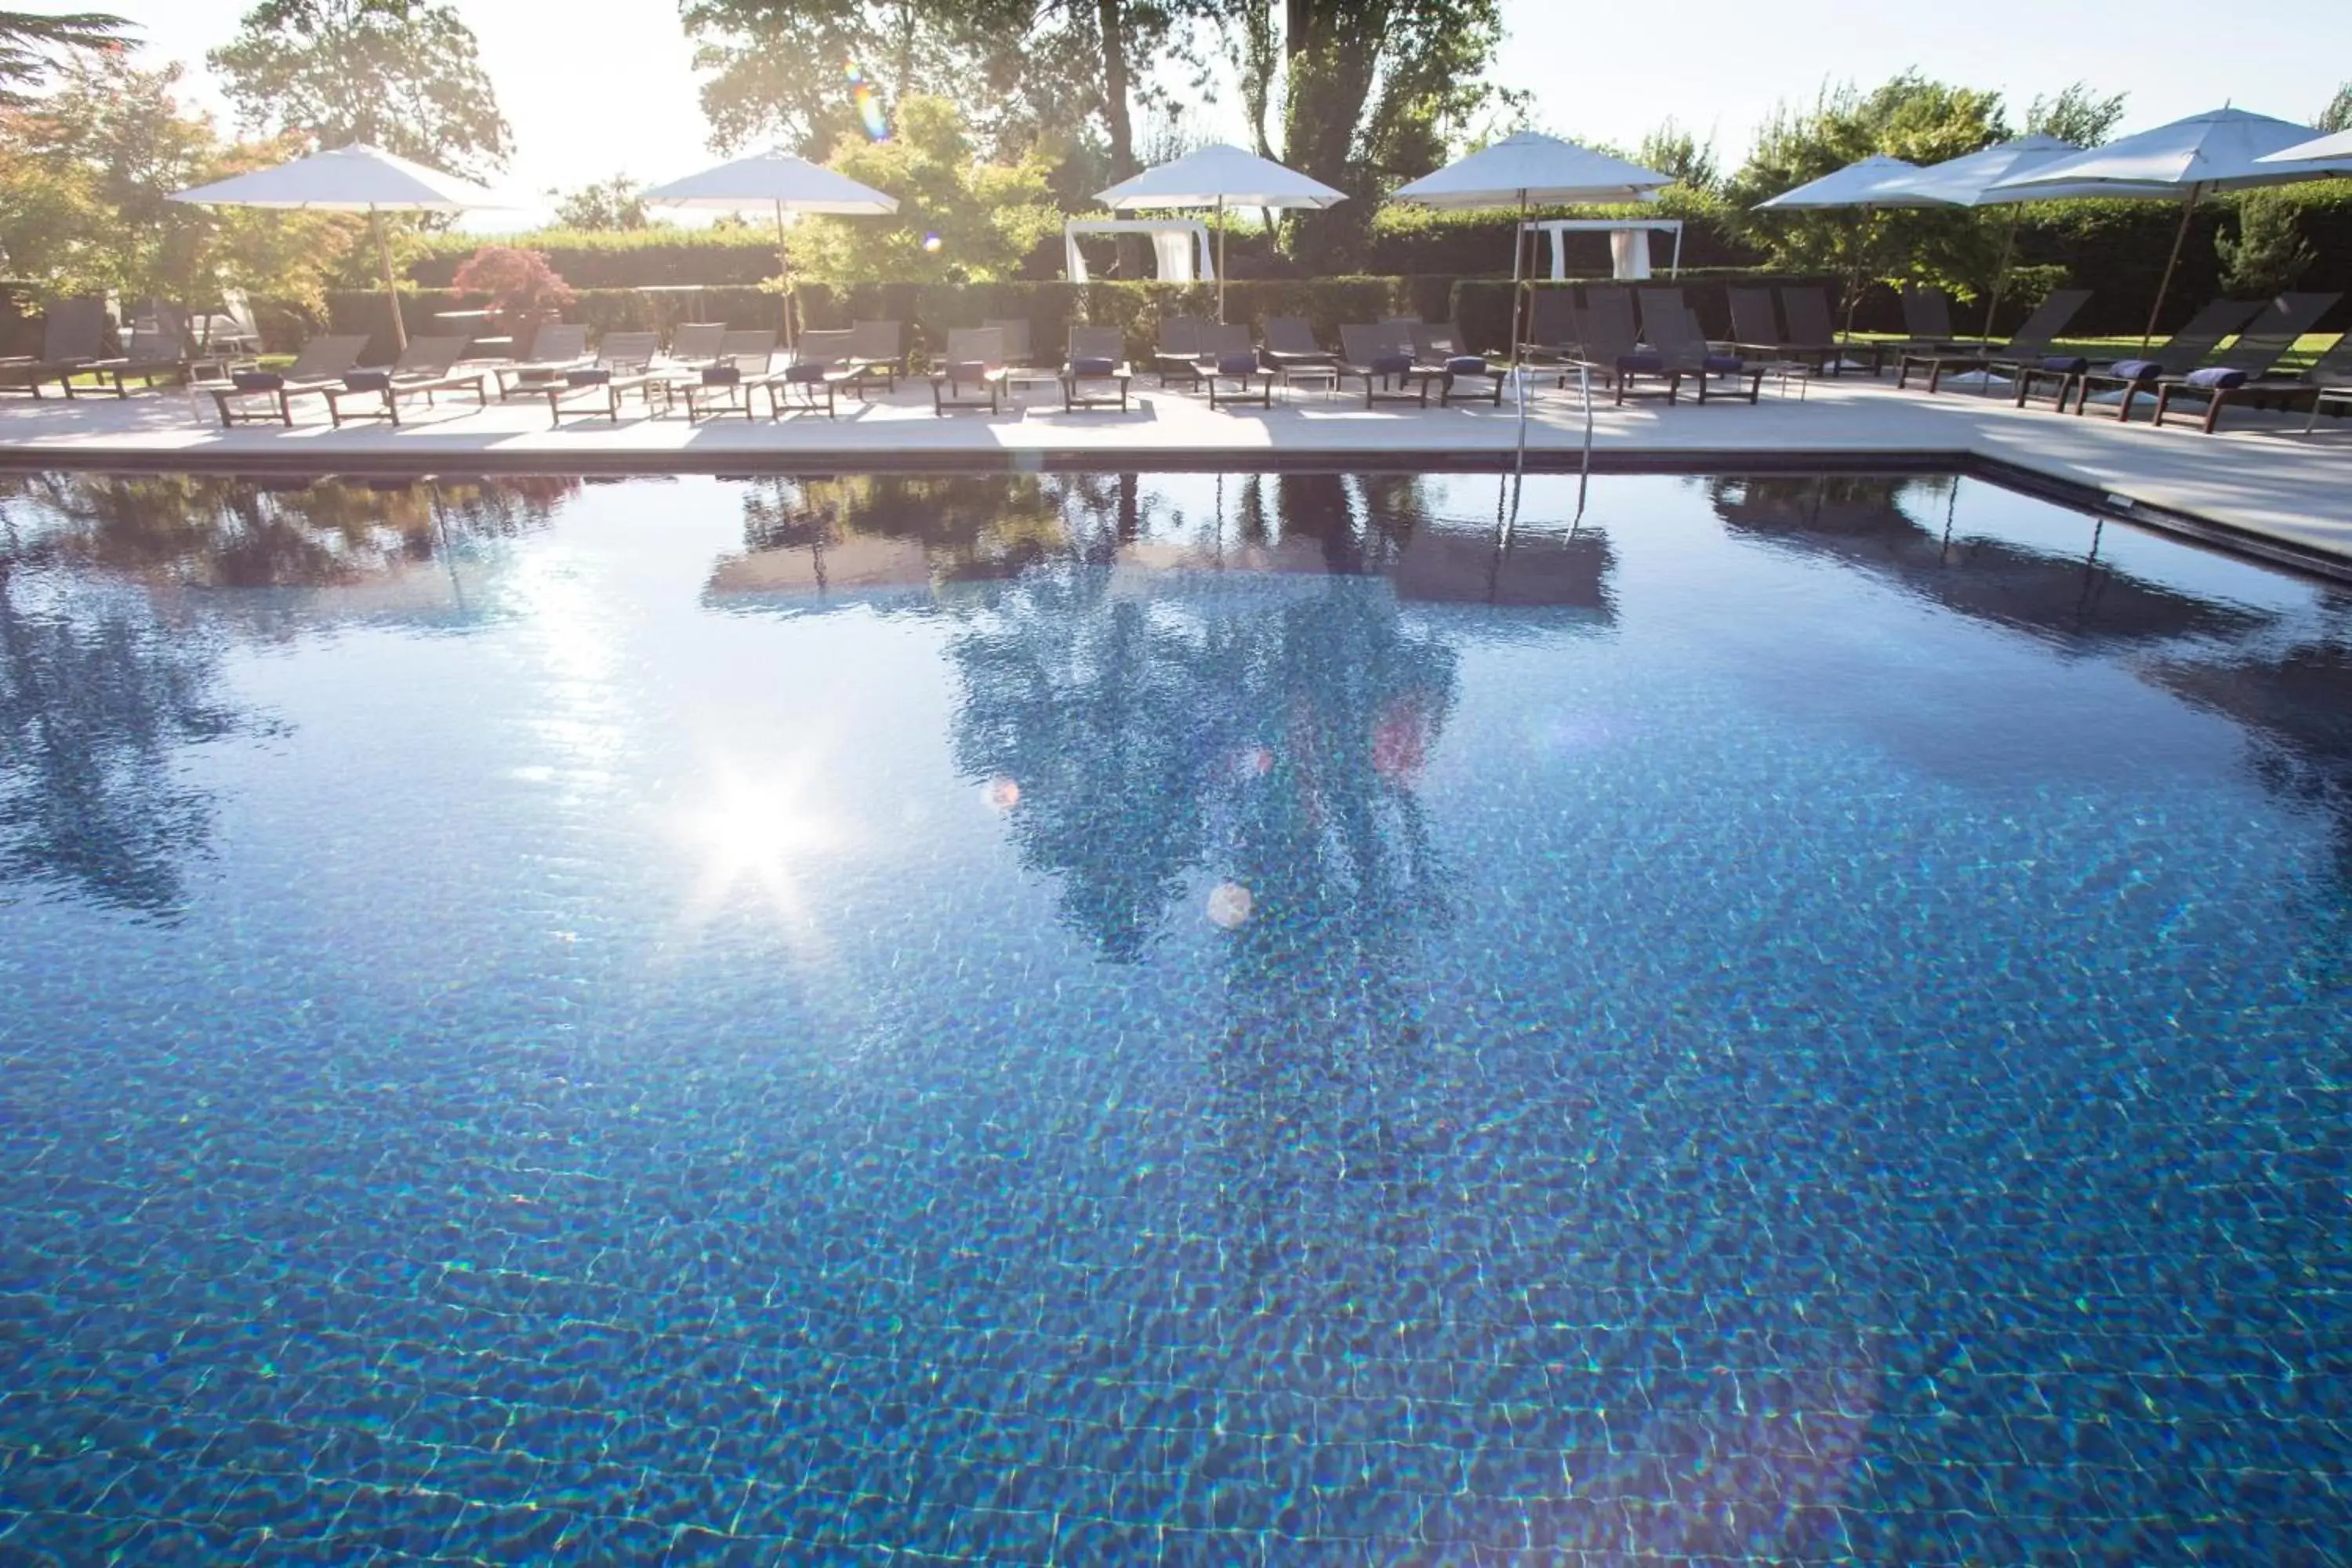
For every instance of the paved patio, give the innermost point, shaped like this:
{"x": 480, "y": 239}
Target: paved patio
{"x": 2260, "y": 482}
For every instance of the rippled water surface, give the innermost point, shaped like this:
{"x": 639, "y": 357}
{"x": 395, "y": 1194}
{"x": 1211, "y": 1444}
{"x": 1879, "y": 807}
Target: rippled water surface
{"x": 1181, "y": 1019}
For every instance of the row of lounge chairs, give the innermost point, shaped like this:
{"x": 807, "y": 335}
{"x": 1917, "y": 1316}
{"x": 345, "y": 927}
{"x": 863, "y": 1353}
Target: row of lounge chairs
{"x": 162, "y": 342}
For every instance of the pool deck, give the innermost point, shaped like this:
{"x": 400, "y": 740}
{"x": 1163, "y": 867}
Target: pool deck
{"x": 2259, "y": 485}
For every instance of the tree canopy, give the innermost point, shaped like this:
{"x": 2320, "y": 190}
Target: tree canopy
{"x": 29, "y": 43}
{"x": 607, "y": 204}
{"x": 403, "y": 75}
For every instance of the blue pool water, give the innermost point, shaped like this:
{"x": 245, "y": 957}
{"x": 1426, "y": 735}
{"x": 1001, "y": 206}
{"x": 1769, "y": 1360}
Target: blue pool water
{"x": 1166, "y": 1019}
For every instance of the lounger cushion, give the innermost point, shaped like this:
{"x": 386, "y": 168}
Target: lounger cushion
{"x": 2216, "y": 380}
{"x": 2065, "y": 364}
{"x": 1722, "y": 365}
{"x": 1390, "y": 365}
{"x": 1092, "y": 367}
{"x": 804, "y": 374}
{"x": 367, "y": 379}
{"x": 1465, "y": 364}
{"x": 970, "y": 369}
{"x": 1237, "y": 365}
{"x": 722, "y": 374}
{"x": 594, "y": 375}
{"x": 2136, "y": 370}
{"x": 1643, "y": 363}
{"x": 257, "y": 380}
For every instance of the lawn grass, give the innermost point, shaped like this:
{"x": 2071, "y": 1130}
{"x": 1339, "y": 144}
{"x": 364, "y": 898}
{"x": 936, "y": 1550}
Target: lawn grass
{"x": 2306, "y": 350}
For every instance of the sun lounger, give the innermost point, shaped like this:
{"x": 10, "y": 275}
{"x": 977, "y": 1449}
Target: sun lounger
{"x": 877, "y": 351}
{"x": 1381, "y": 358}
{"x": 1445, "y": 349}
{"x": 975, "y": 359}
{"x": 819, "y": 366}
{"x": 2242, "y": 373}
{"x": 2034, "y": 340}
{"x": 1097, "y": 356}
{"x": 1927, "y": 321}
{"x": 322, "y": 363}
{"x": 2327, "y": 384}
{"x": 153, "y": 347}
{"x": 1672, "y": 331}
{"x": 1813, "y": 333}
{"x": 73, "y": 336}
{"x": 1228, "y": 358}
{"x": 1554, "y": 331}
{"x": 695, "y": 344}
{"x": 555, "y": 348}
{"x": 623, "y": 363}
{"x": 1014, "y": 329}
{"x": 1615, "y": 348}
{"x": 724, "y": 385}
{"x": 1289, "y": 342}
{"x": 1178, "y": 355}
{"x": 2130, "y": 379}
{"x": 426, "y": 366}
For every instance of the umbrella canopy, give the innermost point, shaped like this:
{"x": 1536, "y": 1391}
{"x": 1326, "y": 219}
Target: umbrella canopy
{"x": 1531, "y": 168}
{"x": 2330, "y": 147}
{"x": 1876, "y": 182}
{"x": 1217, "y": 177}
{"x": 357, "y": 178}
{"x": 2224, "y": 149}
{"x": 783, "y": 183}
{"x": 1528, "y": 169}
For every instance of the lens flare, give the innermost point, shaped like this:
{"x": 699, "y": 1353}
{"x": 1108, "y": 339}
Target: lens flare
{"x": 932, "y": 242}
{"x": 1002, "y": 793}
{"x": 1229, "y": 906}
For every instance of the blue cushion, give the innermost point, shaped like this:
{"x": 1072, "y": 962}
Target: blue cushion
{"x": 1465, "y": 364}
{"x": 2136, "y": 369}
{"x": 723, "y": 375}
{"x": 257, "y": 380}
{"x": 2065, "y": 364}
{"x": 1092, "y": 367}
{"x": 594, "y": 375}
{"x": 1237, "y": 363}
{"x": 1390, "y": 365}
{"x": 1649, "y": 363}
{"x": 367, "y": 379}
{"x": 804, "y": 374}
{"x": 2217, "y": 379}
{"x": 1722, "y": 365}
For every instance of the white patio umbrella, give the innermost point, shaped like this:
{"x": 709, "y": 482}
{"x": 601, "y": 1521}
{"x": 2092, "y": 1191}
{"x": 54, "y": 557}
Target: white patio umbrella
{"x": 2224, "y": 149}
{"x": 1531, "y": 169}
{"x": 784, "y": 184}
{"x": 1970, "y": 182}
{"x": 357, "y": 178}
{"x": 1217, "y": 177}
{"x": 2331, "y": 148}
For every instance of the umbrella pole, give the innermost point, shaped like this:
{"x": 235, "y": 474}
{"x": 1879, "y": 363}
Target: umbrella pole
{"x": 2180, "y": 238}
{"x": 2000, "y": 278}
{"x": 391, "y": 287}
{"x": 1221, "y": 259}
{"x": 784, "y": 277}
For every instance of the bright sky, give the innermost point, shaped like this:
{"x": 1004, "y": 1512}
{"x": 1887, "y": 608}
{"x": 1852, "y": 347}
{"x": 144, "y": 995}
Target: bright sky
{"x": 594, "y": 87}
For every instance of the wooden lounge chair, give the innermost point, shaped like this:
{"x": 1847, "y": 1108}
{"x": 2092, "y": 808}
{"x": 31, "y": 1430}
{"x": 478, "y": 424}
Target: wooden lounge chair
{"x": 1614, "y": 349}
{"x": 1812, "y": 332}
{"x": 623, "y": 363}
{"x": 1015, "y": 332}
{"x": 1928, "y": 322}
{"x": 695, "y": 344}
{"x": 1097, "y": 355}
{"x": 877, "y": 350}
{"x": 1446, "y": 348}
{"x": 1177, "y": 356}
{"x": 975, "y": 359}
{"x": 1383, "y": 360}
{"x": 73, "y": 336}
{"x": 1290, "y": 342}
{"x": 1672, "y": 330}
{"x": 322, "y": 363}
{"x": 2182, "y": 353}
{"x": 725, "y": 386}
{"x": 2034, "y": 340}
{"x": 1228, "y": 358}
{"x": 1554, "y": 330}
{"x": 154, "y": 348}
{"x": 819, "y": 365}
{"x": 2327, "y": 384}
{"x": 555, "y": 348}
{"x": 426, "y": 366}
{"x": 2236, "y": 375}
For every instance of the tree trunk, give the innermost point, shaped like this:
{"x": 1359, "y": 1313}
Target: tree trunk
{"x": 1112, "y": 21}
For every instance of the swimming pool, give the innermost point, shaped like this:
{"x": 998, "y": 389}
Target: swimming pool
{"x": 1178, "y": 1018}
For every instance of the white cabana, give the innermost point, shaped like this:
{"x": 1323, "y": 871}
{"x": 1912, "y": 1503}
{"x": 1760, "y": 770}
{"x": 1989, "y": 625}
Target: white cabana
{"x": 1180, "y": 246}
{"x": 782, "y": 183}
{"x": 357, "y": 178}
{"x": 1628, "y": 243}
{"x": 1218, "y": 177}
{"x": 1532, "y": 170}
{"x": 2224, "y": 149}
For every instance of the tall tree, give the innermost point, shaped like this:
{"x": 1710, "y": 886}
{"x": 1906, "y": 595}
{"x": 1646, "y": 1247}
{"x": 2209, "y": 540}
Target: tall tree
{"x": 403, "y": 75}
{"x": 2338, "y": 115}
{"x": 2077, "y": 115}
{"x": 28, "y": 42}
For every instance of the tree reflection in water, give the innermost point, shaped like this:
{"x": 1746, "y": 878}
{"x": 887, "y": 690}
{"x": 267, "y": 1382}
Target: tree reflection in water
{"x": 109, "y": 668}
